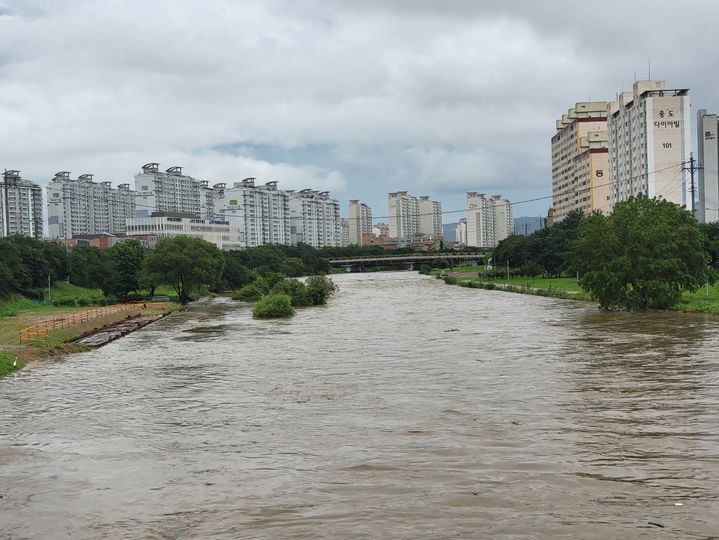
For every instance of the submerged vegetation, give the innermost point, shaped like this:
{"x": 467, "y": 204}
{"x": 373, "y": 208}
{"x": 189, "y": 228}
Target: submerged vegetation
{"x": 273, "y": 294}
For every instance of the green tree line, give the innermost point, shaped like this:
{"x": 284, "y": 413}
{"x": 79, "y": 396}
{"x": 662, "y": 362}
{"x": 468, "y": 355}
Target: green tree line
{"x": 643, "y": 255}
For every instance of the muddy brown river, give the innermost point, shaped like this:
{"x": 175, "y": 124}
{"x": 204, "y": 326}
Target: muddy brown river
{"x": 405, "y": 408}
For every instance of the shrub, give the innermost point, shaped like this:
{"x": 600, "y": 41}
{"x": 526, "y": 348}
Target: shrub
{"x": 320, "y": 288}
{"x": 273, "y": 306}
{"x": 425, "y": 269}
{"x": 83, "y": 301}
{"x": 296, "y": 290}
{"x": 531, "y": 269}
{"x": 248, "y": 293}
{"x": 64, "y": 302}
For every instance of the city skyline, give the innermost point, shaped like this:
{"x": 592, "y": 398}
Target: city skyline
{"x": 436, "y": 99}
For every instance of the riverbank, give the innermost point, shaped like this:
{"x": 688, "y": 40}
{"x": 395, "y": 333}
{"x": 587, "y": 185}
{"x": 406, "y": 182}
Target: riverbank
{"x": 705, "y": 300}
{"x": 55, "y": 332}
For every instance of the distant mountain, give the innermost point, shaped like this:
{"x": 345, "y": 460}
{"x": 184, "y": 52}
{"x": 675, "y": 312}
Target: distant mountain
{"x": 527, "y": 224}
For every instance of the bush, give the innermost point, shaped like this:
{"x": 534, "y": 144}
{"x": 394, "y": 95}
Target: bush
{"x": 531, "y": 269}
{"x": 273, "y": 306}
{"x": 295, "y": 290}
{"x": 425, "y": 269}
{"x": 320, "y": 288}
{"x": 64, "y": 302}
{"x": 248, "y": 293}
{"x": 83, "y": 301}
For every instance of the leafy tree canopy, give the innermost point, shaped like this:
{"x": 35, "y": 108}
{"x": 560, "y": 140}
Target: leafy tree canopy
{"x": 187, "y": 264}
{"x": 642, "y": 255}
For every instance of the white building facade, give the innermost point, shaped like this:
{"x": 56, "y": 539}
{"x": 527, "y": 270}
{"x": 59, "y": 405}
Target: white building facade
{"x": 20, "y": 206}
{"x": 403, "y": 215}
{"x": 261, "y": 212}
{"x": 314, "y": 219}
{"x": 172, "y": 191}
{"x": 359, "y": 222}
{"x": 81, "y": 206}
{"x": 707, "y": 210}
{"x": 488, "y": 221}
{"x": 649, "y": 132}
{"x": 224, "y": 234}
{"x": 461, "y": 232}
{"x": 430, "y": 217}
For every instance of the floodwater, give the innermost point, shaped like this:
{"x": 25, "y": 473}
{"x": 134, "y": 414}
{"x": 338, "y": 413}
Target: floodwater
{"x": 406, "y": 408}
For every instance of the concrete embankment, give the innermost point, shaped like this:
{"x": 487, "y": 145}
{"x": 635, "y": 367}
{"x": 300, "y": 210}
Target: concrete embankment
{"x": 115, "y": 331}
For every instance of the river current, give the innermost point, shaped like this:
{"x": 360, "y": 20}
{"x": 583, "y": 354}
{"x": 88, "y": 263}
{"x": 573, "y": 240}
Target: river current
{"x": 405, "y": 408}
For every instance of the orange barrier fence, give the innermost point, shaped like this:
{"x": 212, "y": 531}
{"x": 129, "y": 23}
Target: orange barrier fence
{"x": 38, "y": 333}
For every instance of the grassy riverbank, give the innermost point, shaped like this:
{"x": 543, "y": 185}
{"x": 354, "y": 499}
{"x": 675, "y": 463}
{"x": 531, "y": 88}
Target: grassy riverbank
{"x": 705, "y": 300}
{"x": 17, "y": 313}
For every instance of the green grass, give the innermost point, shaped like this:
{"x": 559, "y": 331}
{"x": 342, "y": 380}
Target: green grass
{"x": 7, "y": 363}
{"x": 700, "y": 300}
{"x": 60, "y": 292}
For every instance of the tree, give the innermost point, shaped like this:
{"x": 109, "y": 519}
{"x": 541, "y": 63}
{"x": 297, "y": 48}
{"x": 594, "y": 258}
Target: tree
{"x": 187, "y": 264}
{"x": 641, "y": 256}
{"x": 126, "y": 260}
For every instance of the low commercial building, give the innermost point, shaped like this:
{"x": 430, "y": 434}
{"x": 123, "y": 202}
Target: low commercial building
{"x": 224, "y": 234}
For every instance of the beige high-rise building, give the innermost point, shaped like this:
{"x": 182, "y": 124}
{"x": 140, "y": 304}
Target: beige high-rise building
{"x": 580, "y": 179}
{"x": 430, "y": 217}
{"x": 359, "y": 221}
{"x": 649, "y": 132}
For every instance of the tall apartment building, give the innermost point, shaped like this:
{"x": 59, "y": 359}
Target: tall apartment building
{"x": 81, "y": 206}
{"x": 708, "y": 158}
{"x": 649, "y": 132}
{"x": 262, "y": 212}
{"x": 314, "y": 219}
{"x": 461, "y": 232}
{"x": 489, "y": 220}
{"x": 172, "y": 191}
{"x": 430, "y": 217}
{"x": 20, "y": 206}
{"x": 580, "y": 162}
{"x": 359, "y": 222}
{"x": 503, "y": 218}
{"x": 345, "y": 225}
{"x": 403, "y": 215}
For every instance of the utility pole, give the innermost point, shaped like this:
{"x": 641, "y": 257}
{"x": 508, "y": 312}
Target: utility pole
{"x": 692, "y": 187}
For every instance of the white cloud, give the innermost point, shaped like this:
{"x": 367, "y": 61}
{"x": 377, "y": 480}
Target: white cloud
{"x": 403, "y": 94}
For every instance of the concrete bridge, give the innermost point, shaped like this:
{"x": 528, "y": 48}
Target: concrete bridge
{"x": 412, "y": 261}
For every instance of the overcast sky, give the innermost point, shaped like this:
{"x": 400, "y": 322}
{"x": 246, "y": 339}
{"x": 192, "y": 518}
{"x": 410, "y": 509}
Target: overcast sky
{"x": 356, "y": 97}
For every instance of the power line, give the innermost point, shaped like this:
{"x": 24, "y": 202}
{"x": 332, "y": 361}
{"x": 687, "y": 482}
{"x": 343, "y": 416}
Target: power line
{"x": 569, "y": 191}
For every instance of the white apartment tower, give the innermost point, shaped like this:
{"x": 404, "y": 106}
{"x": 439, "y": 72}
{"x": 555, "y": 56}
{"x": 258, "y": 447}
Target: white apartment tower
{"x": 708, "y": 182}
{"x": 489, "y": 220}
{"x": 649, "y": 132}
{"x": 403, "y": 215}
{"x": 262, "y": 212}
{"x": 480, "y": 220}
{"x": 580, "y": 150}
{"x": 172, "y": 191}
{"x": 314, "y": 219}
{"x": 20, "y": 206}
{"x": 430, "y": 217}
{"x": 503, "y": 219}
{"x": 461, "y": 232}
{"x": 359, "y": 222}
{"x": 82, "y": 206}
